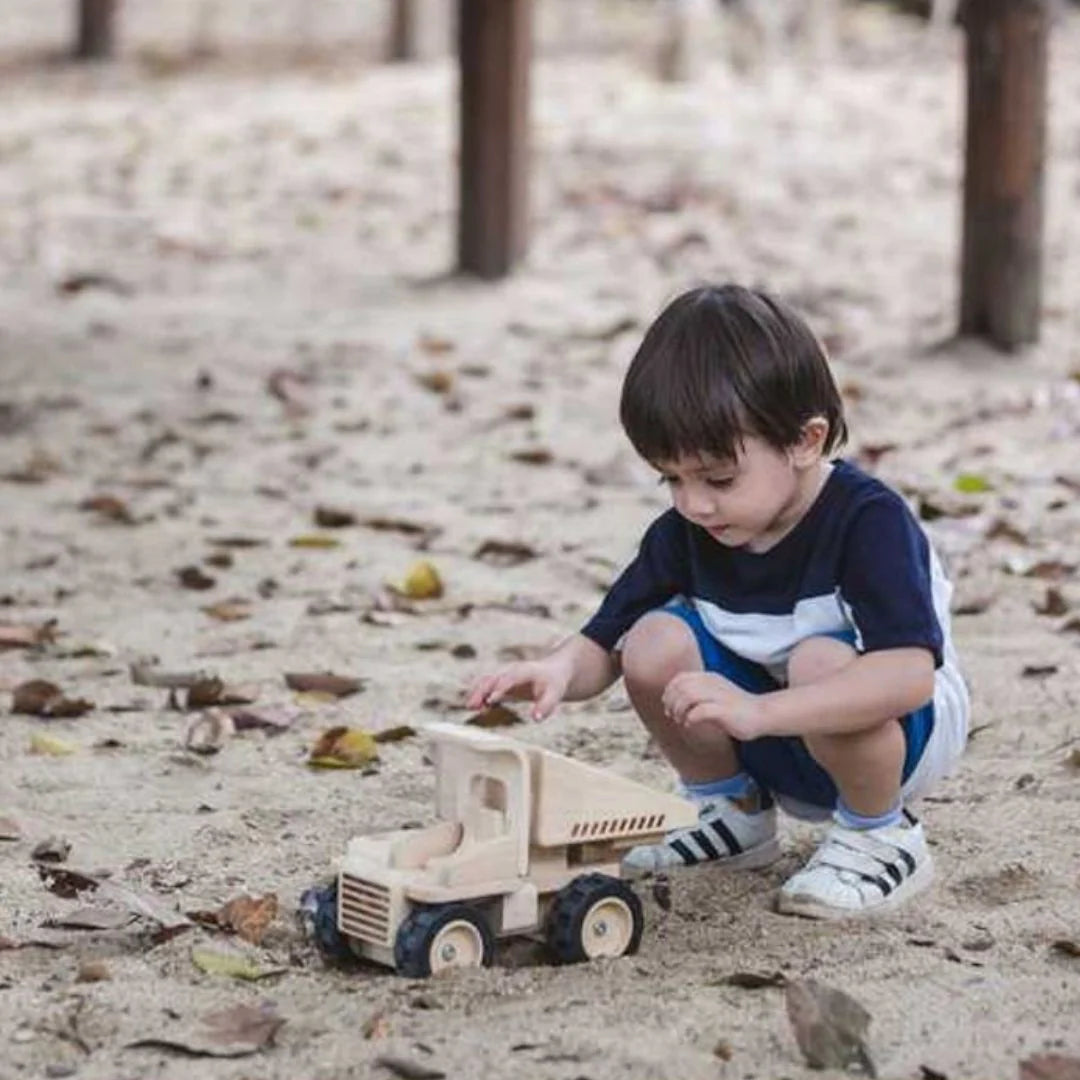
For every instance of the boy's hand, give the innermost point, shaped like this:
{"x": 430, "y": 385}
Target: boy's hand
{"x": 542, "y": 681}
{"x": 697, "y": 697}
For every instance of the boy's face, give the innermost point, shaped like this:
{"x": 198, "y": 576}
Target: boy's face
{"x": 749, "y": 502}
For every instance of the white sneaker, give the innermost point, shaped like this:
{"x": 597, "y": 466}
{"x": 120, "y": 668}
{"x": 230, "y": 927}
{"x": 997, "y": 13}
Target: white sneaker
{"x": 724, "y": 834}
{"x": 858, "y": 872}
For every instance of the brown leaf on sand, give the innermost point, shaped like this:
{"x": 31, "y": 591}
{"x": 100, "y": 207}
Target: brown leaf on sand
{"x": 247, "y": 916}
{"x": 538, "y": 456}
{"x": 497, "y": 716}
{"x": 207, "y": 692}
{"x": 108, "y": 508}
{"x": 40, "y": 698}
{"x": 272, "y": 719}
{"x": 421, "y": 582}
{"x": 438, "y": 380}
{"x": 229, "y": 610}
{"x": 337, "y": 686}
{"x": 343, "y": 748}
{"x": 64, "y": 881}
{"x": 194, "y": 577}
{"x": 504, "y": 553}
{"x": 394, "y": 734}
{"x": 830, "y": 1027}
{"x": 9, "y": 829}
{"x": 329, "y": 517}
{"x": 92, "y": 918}
{"x": 1067, "y": 947}
{"x": 1053, "y": 603}
{"x": 234, "y": 1032}
{"x": 1050, "y": 1067}
{"x": 250, "y": 916}
{"x": 27, "y": 637}
{"x": 408, "y": 1069}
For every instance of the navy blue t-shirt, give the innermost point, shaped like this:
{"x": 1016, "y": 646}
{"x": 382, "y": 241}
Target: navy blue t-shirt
{"x": 858, "y": 561}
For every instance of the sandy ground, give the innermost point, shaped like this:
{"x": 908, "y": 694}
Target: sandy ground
{"x": 303, "y": 222}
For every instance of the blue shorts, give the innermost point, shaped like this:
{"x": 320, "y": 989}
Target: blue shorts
{"x": 781, "y": 763}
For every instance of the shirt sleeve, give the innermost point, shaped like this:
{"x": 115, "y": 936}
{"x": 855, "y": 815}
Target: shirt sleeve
{"x": 657, "y": 573}
{"x": 886, "y": 580}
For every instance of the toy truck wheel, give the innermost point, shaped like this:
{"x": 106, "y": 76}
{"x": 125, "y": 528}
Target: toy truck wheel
{"x": 595, "y": 915}
{"x": 319, "y": 907}
{"x": 433, "y": 939}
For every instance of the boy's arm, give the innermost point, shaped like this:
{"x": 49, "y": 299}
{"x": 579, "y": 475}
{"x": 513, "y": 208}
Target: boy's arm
{"x": 874, "y": 687}
{"x": 592, "y": 669}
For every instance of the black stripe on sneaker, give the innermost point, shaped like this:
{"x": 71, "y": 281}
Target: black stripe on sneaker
{"x": 909, "y": 862}
{"x": 894, "y": 873}
{"x": 725, "y": 834}
{"x": 911, "y": 818}
{"x": 881, "y": 882}
{"x": 684, "y": 852}
{"x": 706, "y": 845}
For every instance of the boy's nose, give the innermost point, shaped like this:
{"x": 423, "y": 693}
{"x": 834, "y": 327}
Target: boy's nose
{"x": 697, "y": 505}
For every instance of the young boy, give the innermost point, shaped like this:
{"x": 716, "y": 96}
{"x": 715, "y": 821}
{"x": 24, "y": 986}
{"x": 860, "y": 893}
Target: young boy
{"x": 784, "y": 629}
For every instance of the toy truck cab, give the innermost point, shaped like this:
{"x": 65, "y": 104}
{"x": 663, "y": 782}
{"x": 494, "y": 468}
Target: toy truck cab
{"x": 526, "y": 842}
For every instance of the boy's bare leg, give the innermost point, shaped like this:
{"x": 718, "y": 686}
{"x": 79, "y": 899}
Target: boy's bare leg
{"x": 865, "y": 765}
{"x": 657, "y": 648}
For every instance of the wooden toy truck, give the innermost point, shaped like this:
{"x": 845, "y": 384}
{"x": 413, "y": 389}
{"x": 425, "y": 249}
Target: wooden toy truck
{"x": 528, "y": 842}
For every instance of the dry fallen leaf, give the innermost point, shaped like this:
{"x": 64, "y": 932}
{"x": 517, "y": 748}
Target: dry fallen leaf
{"x": 329, "y": 517}
{"x": 830, "y": 1027}
{"x": 27, "y": 637}
{"x": 9, "y": 829}
{"x": 496, "y": 716}
{"x": 1053, "y": 603}
{"x": 229, "y": 610}
{"x": 273, "y": 719}
{"x": 343, "y": 748}
{"x": 408, "y": 1069}
{"x": 1050, "y": 1067}
{"x": 336, "y": 686}
{"x": 504, "y": 553}
{"x": 92, "y": 918}
{"x": 50, "y": 745}
{"x": 108, "y": 508}
{"x": 1067, "y": 947}
{"x": 754, "y": 980}
{"x": 232, "y": 964}
{"x": 92, "y": 971}
{"x": 315, "y": 541}
{"x": 194, "y": 577}
{"x": 40, "y": 698}
{"x": 438, "y": 381}
{"x": 233, "y": 1032}
{"x": 394, "y": 734}
{"x": 376, "y": 1026}
{"x": 250, "y": 916}
{"x": 247, "y": 916}
{"x": 537, "y": 456}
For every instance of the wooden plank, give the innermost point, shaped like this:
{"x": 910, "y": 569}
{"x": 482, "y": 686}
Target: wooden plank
{"x": 1001, "y": 273}
{"x": 96, "y": 33}
{"x": 494, "y": 46}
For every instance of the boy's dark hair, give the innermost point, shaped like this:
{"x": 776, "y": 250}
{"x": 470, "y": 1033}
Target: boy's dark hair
{"x": 723, "y": 362}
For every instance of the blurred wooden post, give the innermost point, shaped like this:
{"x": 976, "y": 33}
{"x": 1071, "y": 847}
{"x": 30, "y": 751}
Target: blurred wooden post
{"x": 494, "y": 44}
{"x": 95, "y": 37}
{"x": 419, "y": 29}
{"x": 1001, "y": 276}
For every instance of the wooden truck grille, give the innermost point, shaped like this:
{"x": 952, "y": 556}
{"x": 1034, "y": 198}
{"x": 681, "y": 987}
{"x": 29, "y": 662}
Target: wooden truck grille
{"x": 364, "y": 910}
{"x": 609, "y": 827}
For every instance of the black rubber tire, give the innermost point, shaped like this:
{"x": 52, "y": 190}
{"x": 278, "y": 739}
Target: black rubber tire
{"x": 319, "y": 905}
{"x": 415, "y": 936}
{"x": 572, "y": 904}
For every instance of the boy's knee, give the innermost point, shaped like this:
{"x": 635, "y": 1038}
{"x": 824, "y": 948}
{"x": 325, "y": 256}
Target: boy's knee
{"x": 658, "y": 647}
{"x": 817, "y": 658}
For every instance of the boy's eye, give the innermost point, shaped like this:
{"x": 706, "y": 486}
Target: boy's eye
{"x": 721, "y": 481}
{"x": 668, "y": 481}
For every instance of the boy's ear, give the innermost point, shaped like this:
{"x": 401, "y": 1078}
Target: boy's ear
{"x": 811, "y": 445}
